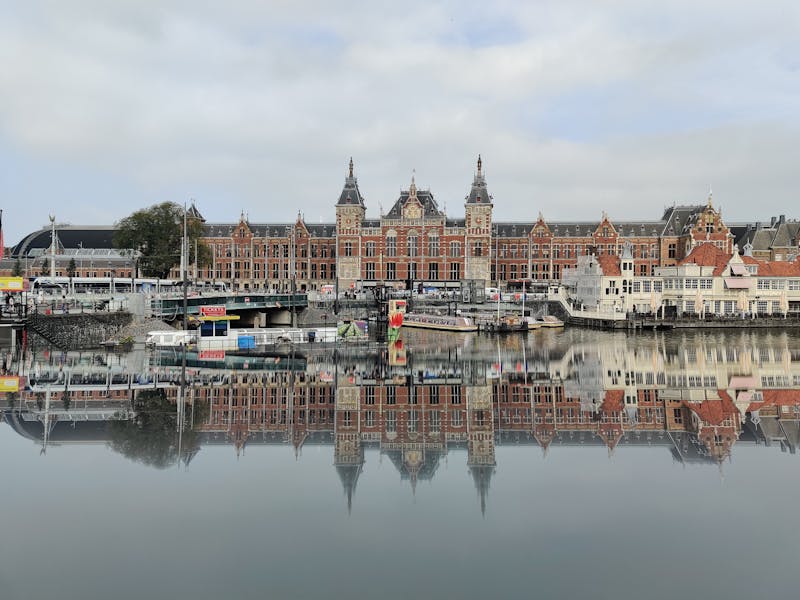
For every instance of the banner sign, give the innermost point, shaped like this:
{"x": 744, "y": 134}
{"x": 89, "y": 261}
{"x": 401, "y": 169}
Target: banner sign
{"x": 11, "y": 284}
{"x": 215, "y": 310}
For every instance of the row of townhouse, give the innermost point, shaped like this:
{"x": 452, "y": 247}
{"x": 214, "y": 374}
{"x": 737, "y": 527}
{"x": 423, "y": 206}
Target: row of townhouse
{"x": 709, "y": 281}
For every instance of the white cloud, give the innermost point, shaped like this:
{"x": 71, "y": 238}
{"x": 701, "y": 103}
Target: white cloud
{"x": 576, "y": 106}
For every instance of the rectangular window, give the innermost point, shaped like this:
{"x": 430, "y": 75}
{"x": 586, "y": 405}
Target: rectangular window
{"x": 433, "y": 246}
{"x": 433, "y": 271}
{"x": 433, "y": 394}
{"x": 413, "y": 246}
{"x": 455, "y": 249}
{"x": 348, "y": 248}
{"x": 455, "y": 271}
{"x": 436, "y": 422}
{"x": 391, "y": 246}
{"x": 370, "y": 249}
{"x": 455, "y": 394}
{"x": 370, "y": 274}
{"x": 391, "y": 271}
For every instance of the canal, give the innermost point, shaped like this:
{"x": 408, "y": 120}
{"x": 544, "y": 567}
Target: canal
{"x": 559, "y": 464}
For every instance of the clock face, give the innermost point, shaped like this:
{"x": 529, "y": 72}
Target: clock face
{"x": 413, "y": 212}
{"x": 478, "y": 220}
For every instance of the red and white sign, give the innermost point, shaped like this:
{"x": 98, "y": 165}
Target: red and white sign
{"x": 212, "y": 355}
{"x": 215, "y": 310}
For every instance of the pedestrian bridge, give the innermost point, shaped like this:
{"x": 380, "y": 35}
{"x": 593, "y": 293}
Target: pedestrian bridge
{"x": 171, "y": 307}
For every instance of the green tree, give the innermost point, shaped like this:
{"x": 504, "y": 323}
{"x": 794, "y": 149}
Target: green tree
{"x": 156, "y": 233}
{"x": 17, "y": 270}
{"x": 71, "y": 268}
{"x": 151, "y": 436}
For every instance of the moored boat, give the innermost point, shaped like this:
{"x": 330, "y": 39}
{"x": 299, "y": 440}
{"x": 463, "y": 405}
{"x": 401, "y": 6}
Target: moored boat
{"x": 532, "y": 323}
{"x": 440, "y": 322}
{"x": 549, "y": 321}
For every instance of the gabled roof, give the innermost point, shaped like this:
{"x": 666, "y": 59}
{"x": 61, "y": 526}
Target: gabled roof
{"x": 714, "y": 411}
{"x": 425, "y": 198}
{"x": 708, "y": 255}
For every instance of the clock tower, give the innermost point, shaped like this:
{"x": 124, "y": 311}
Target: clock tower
{"x": 350, "y": 213}
{"x": 478, "y": 228}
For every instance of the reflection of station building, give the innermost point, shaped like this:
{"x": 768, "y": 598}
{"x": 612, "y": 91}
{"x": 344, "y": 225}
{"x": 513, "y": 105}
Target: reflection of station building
{"x": 698, "y": 396}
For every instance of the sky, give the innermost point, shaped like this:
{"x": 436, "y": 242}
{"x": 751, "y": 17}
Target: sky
{"x": 256, "y": 107}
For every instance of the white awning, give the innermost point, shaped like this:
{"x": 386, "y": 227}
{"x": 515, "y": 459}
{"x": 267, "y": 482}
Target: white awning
{"x": 739, "y": 382}
{"x": 735, "y": 283}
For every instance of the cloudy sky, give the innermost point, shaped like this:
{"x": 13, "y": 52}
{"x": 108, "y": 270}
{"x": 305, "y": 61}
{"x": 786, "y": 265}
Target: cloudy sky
{"x": 257, "y": 106}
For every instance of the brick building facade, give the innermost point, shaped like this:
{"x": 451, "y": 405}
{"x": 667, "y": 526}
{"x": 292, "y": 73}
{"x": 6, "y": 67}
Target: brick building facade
{"x": 417, "y": 242}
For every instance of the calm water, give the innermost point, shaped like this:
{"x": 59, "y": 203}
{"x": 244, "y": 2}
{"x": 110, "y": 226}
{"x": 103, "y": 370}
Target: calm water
{"x": 560, "y": 465}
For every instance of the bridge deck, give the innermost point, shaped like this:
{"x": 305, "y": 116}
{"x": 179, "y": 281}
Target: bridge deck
{"x": 173, "y": 305}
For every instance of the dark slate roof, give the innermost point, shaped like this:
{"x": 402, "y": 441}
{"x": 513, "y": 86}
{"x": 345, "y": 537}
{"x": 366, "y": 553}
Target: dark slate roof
{"x": 786, "y": 235}
{"x": 742, "y": 234}
{"x": 371, "y": 223}
{"x": 193, "y": 213}
{"x": 581, "y": 228}
{"x": 275, "y": 230}
{"x": 327, "y": 230}
{"x": 778, "y": 234}
{"x": 479, "y": 193}
{"x": 350, "y": 192}
{"x": 425, "y": 197}
{"x": 678, "y": 219}
{"x": 69, "y": 236}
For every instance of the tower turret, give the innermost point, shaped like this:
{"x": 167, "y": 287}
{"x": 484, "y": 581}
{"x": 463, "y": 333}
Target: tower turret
{"x": 478, "y": 225}
{"x": 350, "y": 213}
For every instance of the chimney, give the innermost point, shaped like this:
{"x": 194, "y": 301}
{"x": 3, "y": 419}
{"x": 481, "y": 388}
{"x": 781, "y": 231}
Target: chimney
{"x": 772, "y": 221}
{"x": 782, "y": 219}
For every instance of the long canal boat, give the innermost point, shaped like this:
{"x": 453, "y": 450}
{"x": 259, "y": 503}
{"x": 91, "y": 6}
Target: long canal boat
{"x": 440, "y": 322}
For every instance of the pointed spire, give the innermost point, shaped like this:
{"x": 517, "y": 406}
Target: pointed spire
{"x": 350, "y": 193}
{"x": 710, "y": 196}
{"x": 478, "y": 192}
{"x": 412, "y": 191}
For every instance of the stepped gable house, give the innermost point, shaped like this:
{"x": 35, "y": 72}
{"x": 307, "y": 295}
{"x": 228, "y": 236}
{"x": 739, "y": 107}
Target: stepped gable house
{"x": 415, "y": 243}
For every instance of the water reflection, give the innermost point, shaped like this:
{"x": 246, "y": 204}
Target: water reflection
{"x": 697, "y": 396}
